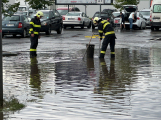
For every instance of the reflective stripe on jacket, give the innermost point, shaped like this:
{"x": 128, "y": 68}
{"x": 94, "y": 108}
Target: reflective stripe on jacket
{"x": 105, "y": 27}
{"x": 35, "y": 26}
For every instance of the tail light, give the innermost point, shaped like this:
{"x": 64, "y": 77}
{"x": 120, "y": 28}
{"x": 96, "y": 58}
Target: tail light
{"x": 63, "y": 18}
{"x": 150, "y": 17}
{"x": 92, "y": 19}
{"x": 20, "y": 25}
{"x": 79, "y": 18}
{"x": 138, "y": 18}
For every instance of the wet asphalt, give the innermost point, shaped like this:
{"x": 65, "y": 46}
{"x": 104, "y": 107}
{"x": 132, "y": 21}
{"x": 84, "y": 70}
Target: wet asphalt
{"x": 62, "y": 83}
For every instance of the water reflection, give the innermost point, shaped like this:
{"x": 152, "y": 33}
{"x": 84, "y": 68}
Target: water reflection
{"x": 107, "y": 77}
{"x": 35, "y": 81}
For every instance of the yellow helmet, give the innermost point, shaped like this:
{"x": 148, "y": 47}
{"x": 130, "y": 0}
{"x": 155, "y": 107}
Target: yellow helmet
{"x": 39, "y": 14}
{"x": 95, "y": 20}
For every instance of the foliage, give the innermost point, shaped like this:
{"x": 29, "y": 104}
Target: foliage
{"x": 11, "y": 104}
{"x": 119, "y": 3}
{"x": 39, "y": 4}
{"x": 8, "y": 9}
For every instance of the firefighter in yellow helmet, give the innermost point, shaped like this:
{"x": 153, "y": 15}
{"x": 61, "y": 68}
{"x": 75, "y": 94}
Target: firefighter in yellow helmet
{"x": 104, "y": 27}
{"x": 35, "y": 26}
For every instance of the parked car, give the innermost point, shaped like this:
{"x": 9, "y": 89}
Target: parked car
{"x": 73, "y": 19}
{"x": 51, "y": 20}
{"x": 139, "y": 20}
{"x": 155, "y": 15}
{"x": 15, "y": 24}
{"x": 146, "y": 15}
{"x": 64, "y": 10}
{"x": 104, "y": 16}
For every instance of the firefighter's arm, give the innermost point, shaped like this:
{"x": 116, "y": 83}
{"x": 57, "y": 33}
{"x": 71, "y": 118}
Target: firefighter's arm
{"x": 31, "y": 27}
{"x": 100, "y": 30}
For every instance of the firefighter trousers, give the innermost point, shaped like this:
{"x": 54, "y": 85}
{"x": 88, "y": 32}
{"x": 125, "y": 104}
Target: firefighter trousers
{"x": 108, "y": 39}
{"x": 33, "y": 46}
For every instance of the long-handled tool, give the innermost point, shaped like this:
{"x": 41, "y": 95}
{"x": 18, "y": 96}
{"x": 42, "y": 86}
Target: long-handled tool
{"x": 99, "y": 48}
{"x": 88, "y": 46}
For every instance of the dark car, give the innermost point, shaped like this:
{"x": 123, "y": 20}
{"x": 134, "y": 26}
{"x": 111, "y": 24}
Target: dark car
{"x": 110, "y": 11}
{"x": 51, "y": 20}
{"x": 104, "y": 16}
{"x": 15, "y": 24}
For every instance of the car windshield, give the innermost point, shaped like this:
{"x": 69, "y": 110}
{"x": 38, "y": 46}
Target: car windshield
{"x": 157, "y": 8}
{"x": 146, "y": 13}
{"x": 73, "y": 14}
{"x": 116, "y": 14}
{"x": 63, "y": 12}
{"x": 22, "y": 13}
{"x": 46, "y": 15}
{"x": 12, "y": 18}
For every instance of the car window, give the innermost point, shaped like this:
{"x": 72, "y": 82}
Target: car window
{"x": 25, "y": 18}
{"x": 102, "y": 14}
{"x": 12, "y": 18}
{"x": 141, "y": 15}
{"x": 63, "y": 12}
{"x": 51, "y": 14}
{"x": 56, "y": 13}
{"x": 116, "y": 14}
{"x": 73, "y": 14}
{"x": 157, "y": 8}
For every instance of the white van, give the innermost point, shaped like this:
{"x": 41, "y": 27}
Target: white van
{"x": 155, "y": 15}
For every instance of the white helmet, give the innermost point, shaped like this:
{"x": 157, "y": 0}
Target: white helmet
{"x": 39, "y": 14}
{"x": 95, "y": 20}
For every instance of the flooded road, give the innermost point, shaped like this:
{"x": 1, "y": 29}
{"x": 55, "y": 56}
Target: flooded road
{"x": 60, "y": 85}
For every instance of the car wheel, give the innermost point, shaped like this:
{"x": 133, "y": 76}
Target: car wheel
{"x": 82, "y": 26}
{"x": 141, "y": 27}
{"x": 48, "y": 32}
{"x": 89, "y": 26}
{"x": 2, "y": 35}
{"x": 93, "y": 27}
{"x": 157, "y": 28}
{"x": 24, "y": 33}
{"x": 59, "y": 30}
{"x": 72, "y": 27}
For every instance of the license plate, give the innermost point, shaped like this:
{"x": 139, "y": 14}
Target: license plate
{"x": 9, "y": 24}
{"x": 71, "y": 19}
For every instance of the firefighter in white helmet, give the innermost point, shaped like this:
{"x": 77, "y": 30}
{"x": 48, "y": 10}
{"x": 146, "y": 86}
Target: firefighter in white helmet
{"x": 35, "y": 26}
{"x": 104, "y": 27}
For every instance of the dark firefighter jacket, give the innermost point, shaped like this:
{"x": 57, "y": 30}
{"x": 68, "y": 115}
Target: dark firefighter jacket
{"x": 35, "y": 26}
{"x": 105, "y": 27}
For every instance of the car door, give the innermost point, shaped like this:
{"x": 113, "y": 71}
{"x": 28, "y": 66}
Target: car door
{"x": 58, "y": 20}
{"x": 85, "y": 19}
{"x": 26, "y": 23}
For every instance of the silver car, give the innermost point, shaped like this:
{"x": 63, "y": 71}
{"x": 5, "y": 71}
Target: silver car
{"x": 146, "y": 15}
{"x": 73, "y": 19}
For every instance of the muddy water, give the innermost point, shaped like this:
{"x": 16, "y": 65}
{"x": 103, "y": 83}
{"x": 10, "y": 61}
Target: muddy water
{"x": 64, "y": 87}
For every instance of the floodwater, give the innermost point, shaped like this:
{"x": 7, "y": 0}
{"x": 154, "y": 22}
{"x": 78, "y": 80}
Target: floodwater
{"x": 60, "y": 85}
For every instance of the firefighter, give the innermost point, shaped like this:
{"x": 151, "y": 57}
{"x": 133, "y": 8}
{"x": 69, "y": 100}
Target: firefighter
{"x": 105, "y": 27}
{"x": 35, "y": 26}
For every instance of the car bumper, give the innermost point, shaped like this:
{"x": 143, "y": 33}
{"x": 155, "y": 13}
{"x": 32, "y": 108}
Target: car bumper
{"x": 155, "y": 24}
{"x": 8, "y": 31}
{"x": 74, "y": 23}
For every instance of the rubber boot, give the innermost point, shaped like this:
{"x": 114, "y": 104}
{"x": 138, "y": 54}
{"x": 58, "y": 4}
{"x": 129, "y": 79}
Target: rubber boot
{"x": 101, "y": 55}
{"x": 112, "y": 55}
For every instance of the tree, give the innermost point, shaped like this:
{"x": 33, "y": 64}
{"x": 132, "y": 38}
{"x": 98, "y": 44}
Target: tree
{"x": 8, "y": 9}
{"x": 39, "y": 4}
{"x": 119, "y": 3}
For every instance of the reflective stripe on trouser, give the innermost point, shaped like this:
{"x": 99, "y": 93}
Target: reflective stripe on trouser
{"x": 34, "y": 44}
{"x": 106, "y": 41}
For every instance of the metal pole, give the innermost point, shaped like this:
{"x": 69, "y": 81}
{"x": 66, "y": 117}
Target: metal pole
{"x": 85, "y": 10}
{"x": 1, "y": 67}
